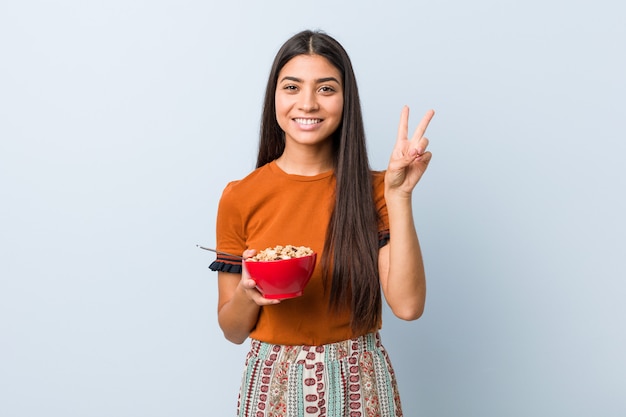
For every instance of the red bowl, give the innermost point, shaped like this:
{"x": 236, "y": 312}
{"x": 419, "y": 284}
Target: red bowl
{"x": 285, "y": 278}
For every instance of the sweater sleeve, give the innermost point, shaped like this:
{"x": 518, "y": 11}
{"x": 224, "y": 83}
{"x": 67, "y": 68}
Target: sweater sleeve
{"x": 378, "y": 181}
{"x": 229, "y": 232}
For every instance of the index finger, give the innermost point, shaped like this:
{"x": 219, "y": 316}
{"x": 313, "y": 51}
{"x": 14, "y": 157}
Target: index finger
{"x": 403, "y": 126}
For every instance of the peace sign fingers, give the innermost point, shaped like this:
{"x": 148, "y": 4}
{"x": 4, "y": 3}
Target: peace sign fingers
{"x": 418, "y": 143}
{"x": 409, "y": 158}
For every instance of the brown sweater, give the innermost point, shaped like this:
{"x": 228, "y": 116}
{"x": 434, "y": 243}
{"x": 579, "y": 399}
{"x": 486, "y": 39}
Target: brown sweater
{"x": 270, "y": 207}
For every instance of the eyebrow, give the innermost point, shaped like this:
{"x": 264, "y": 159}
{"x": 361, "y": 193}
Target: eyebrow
{"x": 319, "y": 80}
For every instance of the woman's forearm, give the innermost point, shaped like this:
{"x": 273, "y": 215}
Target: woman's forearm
{"x": 405, "y": 285}
{"x": 237, "y": 316}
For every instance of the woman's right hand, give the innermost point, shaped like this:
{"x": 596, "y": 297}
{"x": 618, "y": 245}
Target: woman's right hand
{"x": 239, "y": 303}
{"x": 249, "y": 285}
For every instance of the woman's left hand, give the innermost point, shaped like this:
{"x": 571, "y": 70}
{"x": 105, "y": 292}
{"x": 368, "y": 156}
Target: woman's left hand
{"x": 409, "y": 158}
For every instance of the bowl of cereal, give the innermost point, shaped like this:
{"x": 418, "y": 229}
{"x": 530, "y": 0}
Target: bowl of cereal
{"x": 282, "y": 271}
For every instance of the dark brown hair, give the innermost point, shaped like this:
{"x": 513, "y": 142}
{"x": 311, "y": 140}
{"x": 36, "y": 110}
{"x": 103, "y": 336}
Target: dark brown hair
{"x": 350, "y": 257}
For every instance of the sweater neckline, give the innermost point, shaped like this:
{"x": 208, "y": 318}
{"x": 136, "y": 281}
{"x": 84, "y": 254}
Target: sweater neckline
{"x": 302, "y": 178}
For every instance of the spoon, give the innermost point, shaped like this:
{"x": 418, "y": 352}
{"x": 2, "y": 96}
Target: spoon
{"x": 220, "y": 252}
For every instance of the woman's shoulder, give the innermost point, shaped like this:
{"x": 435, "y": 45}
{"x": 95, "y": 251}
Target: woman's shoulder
{"x": 250, "y": 182}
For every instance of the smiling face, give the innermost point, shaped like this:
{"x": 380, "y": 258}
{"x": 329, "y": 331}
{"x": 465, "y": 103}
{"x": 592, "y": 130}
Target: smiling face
{"x": 309, "y": 100}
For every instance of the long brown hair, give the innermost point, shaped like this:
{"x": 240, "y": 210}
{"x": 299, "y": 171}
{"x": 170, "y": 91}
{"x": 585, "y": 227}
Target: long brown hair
{"x": 350, "y": 257}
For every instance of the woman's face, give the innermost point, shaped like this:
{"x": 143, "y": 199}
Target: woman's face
{"x": 309, "y": 100}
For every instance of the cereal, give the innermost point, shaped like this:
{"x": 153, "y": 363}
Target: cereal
{"x": 280, "y": 252}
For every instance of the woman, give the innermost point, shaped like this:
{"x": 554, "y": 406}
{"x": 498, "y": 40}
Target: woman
{"x": 320, "y": 354}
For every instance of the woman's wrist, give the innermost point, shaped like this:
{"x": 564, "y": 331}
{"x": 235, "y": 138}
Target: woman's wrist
{"x": 398, "y": 200}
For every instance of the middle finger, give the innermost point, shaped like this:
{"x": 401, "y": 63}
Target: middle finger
{"x": 421, "y": 128}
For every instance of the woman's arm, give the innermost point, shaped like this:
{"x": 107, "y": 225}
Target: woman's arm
{"x": 400, "y": 262}
{"x": 239, "y": 304}
{"x": 401, "y": 267}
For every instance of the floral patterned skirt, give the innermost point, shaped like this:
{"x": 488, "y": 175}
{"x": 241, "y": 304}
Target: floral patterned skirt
{"x": 352, "y": 378}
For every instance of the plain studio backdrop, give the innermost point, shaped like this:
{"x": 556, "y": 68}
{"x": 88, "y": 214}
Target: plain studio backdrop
{"x": 122, "y": 121}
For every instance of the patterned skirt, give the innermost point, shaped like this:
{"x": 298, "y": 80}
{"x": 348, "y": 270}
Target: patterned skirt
{"x": 352, "y": 378}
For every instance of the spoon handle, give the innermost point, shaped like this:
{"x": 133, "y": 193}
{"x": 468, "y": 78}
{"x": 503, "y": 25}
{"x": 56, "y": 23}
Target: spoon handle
{"x": 220, "y": 252}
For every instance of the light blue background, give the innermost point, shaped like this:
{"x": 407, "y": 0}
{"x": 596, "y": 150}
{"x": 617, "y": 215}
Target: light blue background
{"x": 121, "y": 122}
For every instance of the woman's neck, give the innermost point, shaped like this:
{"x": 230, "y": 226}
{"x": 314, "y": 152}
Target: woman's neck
{"x": 305, "y": 163}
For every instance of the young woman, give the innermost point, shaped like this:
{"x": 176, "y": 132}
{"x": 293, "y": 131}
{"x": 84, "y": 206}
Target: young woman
{"x": 320, "y": 354}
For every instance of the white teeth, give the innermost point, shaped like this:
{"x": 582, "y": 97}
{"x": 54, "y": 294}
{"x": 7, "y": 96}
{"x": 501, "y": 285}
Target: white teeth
{"x": 307, "y": 121}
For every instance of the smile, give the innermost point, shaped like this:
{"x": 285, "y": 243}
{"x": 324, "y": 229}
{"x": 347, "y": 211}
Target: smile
{"x": 307, "y": 121}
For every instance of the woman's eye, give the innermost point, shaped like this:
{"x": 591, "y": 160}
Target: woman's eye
{"x": 290, "y": 88}
{"x": 328, "y": 90}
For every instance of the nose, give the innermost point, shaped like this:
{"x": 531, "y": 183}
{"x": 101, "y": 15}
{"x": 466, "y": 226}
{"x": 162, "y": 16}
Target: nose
{"x": 308, "y": 101}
